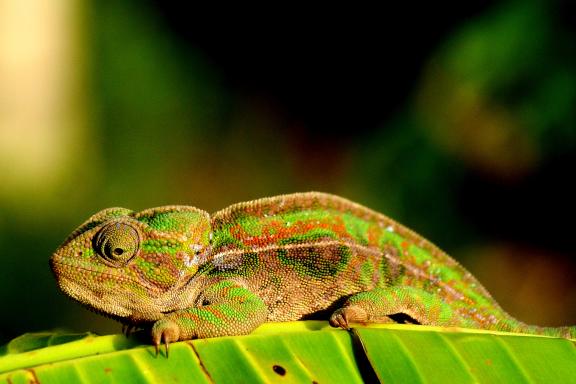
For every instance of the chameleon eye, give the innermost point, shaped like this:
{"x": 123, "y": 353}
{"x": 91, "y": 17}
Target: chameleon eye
{"x": 117, "y": 243}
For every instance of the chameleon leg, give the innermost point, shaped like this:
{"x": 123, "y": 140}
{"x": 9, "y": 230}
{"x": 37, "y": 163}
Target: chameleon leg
{"x": 229, "y": 309}
{"x": 377, "y": 305}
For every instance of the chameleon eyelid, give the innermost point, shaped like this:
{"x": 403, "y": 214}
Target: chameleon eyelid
{"x": 117, "y": 243}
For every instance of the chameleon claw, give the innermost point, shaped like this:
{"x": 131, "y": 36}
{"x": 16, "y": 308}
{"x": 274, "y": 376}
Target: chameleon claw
{"x": 163, "y": 339}
{"x": 127, "y": 330}
{"x": 342, "y": 317}
{"x": 339, "y": 319}
{"x": 343, "y": 323}
{"x": 165, "y": 331}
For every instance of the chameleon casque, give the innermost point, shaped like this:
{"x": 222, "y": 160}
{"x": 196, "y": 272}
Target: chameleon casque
{"x": 187, "y": 274}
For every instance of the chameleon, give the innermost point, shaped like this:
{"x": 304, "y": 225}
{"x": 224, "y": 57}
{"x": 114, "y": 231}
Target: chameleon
{"x": 183, "y": 273}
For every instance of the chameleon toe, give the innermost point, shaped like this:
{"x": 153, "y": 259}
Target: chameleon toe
{"x": 165, "y": 331}
{"x": 351, "y": 313}
{"x": 338, "y": 319}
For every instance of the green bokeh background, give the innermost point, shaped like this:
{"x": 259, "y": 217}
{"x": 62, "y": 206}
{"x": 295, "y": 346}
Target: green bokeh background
{"x": 475, "y": 151}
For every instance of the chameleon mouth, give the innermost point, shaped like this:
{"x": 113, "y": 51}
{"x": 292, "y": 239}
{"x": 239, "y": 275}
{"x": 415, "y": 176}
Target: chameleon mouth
{"x": 66, "y": 267}
{"x": 62, "y": 269}
{"x": 116, "y": 302}
{"x": 107, "y": 303}
{"x": 97, "y": 301}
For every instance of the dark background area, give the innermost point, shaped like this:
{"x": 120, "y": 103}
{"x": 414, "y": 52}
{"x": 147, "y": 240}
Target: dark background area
{"x": 343, "y": 71}
{"x": 340, "y": 74}
{"x": 456, "y": 120}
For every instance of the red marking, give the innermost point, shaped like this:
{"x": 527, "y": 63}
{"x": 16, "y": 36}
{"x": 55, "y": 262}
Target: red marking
{"x": 275, "y": 230}
{"x": 405, "y": 244}
{"x": 237, "y": 231}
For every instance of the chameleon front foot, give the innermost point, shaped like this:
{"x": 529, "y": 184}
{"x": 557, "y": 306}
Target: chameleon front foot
{"x": 165, "y": 331}
{"x": 343, "y": 316}
{"x": 128, "y": 329}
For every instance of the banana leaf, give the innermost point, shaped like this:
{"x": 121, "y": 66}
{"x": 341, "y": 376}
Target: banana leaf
{"x": 297, "y": 352}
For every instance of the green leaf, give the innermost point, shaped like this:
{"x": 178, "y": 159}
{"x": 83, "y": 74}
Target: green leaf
{"x": 309, "y": 351}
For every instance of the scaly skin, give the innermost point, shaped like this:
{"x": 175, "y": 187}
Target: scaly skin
{"x": 290, "y": 257}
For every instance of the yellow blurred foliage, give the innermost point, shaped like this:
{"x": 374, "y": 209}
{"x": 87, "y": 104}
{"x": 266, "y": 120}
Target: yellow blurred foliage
{"x": 42, "y": 109}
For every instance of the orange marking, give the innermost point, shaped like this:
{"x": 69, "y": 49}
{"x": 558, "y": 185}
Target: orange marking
{"x": 373, "y": 234}
{"x": 190, "y": 315}
{"x": 281, "y": 231}
{"x": 214, "y": 310}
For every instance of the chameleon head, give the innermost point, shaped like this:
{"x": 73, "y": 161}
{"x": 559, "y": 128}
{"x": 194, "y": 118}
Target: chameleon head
{"x": 133, "y": 266}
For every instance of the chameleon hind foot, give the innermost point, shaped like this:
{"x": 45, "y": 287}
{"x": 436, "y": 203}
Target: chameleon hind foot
{"x": 345, "y": 315}
{"x": 387, "y": 305}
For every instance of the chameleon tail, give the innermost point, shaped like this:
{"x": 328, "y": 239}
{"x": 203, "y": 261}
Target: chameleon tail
{"x": 565, "y": 332}
{"x": 509, "y": 324}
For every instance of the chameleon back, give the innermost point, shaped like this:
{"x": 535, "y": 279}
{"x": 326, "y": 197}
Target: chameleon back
{"x": 305, "y": 253}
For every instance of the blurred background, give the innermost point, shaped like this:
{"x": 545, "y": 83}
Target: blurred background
{"x": 456, "y": 120}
